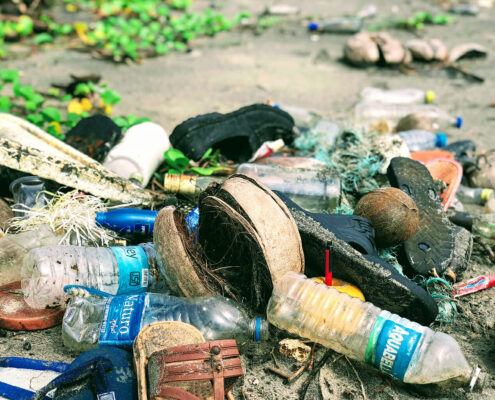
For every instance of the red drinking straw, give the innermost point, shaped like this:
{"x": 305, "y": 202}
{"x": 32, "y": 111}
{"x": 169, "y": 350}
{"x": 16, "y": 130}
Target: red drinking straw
{"x": 328, "y": 267}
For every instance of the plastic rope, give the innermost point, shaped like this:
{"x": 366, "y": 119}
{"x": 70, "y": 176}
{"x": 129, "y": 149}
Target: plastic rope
{"x": 444, "y": 297}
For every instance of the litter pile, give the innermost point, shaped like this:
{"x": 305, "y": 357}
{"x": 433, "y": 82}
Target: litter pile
{"x": 174, "y": 254}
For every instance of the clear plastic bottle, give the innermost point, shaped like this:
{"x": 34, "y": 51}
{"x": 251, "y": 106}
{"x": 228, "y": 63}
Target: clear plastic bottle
{"x": 303, "y": 118}
{"x": 13, "y": 248}
{"x": 474, "y": 195}
{"x": 117, "y": 320}
{"x": 484, "y": 226}
{"x": 337, "y": 25}
{"x": 418, "y": 140}
{"x": 114, "y": 270}
{"x": 315, "y": 190}
{"x": 397, "y": 96}
{"x": 403, "y": 349}
{"x": 188, "y": 184}
{"x": 372, "y": 111}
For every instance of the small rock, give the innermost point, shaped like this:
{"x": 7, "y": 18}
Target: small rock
{"x": 3, "y": 333}
{"x": 27, "y": 346}
{"x": 294, "y": 348}
{"x": 361, "y": 50}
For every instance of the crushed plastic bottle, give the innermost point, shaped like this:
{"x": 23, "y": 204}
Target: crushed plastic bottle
{"x": 128, "y": 220}
{"x": 116, "y": 320}
{"x": 315, "y": 190}
{"x": 28, "y": 192}
{"x": 115, "y": 270}
{"x": 418, "y": 140}
{"x": 396, "y": 346}
{"x": 337, "y": 25}
{"x": 474, "y": 195}
{"x": 397, "y": 96}
{"x": 13, "y": 248}
{"x": 371, "y": 111}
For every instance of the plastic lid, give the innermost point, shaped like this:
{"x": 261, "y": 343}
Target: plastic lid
{"x": 458, "y": 122}
{"x": 441, "y": 140}
{"x": 313, "y": 26}
{"x": 487, "y": 194}
{"x": 429, "y": 96}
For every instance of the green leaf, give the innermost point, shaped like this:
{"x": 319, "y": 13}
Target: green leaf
{"x": 52, "y": 130}
{"x": 82, "y": 89}
{"x": 67, "y": 97}
{"x": 43, "y": 38}
{"x": 174, "y": 172}
{"x": 207, "y": 171}
{"x": 66, "y": 29}
{"x": 24, "y": 26}
{"x": 110, "y": 97}
{"x": 26, "y": 92}
{"x": 207, "y": 153}
{"x": 120, "y": 121}
{"x": 162, "y": 48}
{"x": 51, "y": 114}
{"x": 9, "y": 75}
{"x": 35, "y": 102}
{"x": 176, "y": 159}
{"x": 35, "y": 119}
{"x": 180, "y": 46}
{"x": 5, "y": 104}
{"x": 162, "y": 10}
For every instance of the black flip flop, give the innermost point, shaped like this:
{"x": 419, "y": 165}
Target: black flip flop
{"x": 237, "y": 134}
{"x": 431, "y": 247}
{"x": 356, "y": 261}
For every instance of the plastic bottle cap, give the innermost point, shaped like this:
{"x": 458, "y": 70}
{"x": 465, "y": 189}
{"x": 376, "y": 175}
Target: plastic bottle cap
{"x": 441, "y": 140}
{"x": 101, "y": 218}
{"x": 458, "y": 122}
{"x": 313, "y": 26}
{"x": 257, "y": 329}
{"x": 276, "y": 105}
{"x": 429, "y": 96}
{"x": 487, "y": 194}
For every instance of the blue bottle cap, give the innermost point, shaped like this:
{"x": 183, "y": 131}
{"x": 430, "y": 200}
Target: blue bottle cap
{"x": 441, "y": 140}
{"x": 313, "y": 26}
{"x": 101, "y": 218}
{"x": 458, "y": 122}
{"x": 276, "y": 105}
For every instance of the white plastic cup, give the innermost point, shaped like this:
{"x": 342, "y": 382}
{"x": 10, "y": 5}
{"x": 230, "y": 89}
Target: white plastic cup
{"x": 139, "y": 153}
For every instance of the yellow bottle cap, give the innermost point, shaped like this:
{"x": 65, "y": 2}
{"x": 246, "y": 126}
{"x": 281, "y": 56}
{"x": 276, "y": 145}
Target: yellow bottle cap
{"x": 429, "y": 96}
{"x": 486, "y": 194}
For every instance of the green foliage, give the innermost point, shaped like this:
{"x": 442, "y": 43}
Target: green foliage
{"x": 415, "y": 22}
{"x": 178, "y": 163}
{"x": 43, "y": 38}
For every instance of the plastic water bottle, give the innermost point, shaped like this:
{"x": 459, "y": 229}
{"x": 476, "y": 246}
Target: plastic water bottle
{"x": 474, "y": 195}
{"x": 303, "y": 118}
{"x": 139, "y": 153}
{"x": 337, "y": 25}
{"x": 13, "y": 249}
{"x": 315, "y": 190}
{"x": 187, "y": 184}
{"x": 397, "y": 96}
{"x": 128, "y": 220}
{"x": 418, "y": 140}
{"x": 398, "y": 347}
{"x": 370, "y": 111}
{"x": 114, "y": 270}
{"x": 117, "y": 320}
{"x": 28, "y": 192}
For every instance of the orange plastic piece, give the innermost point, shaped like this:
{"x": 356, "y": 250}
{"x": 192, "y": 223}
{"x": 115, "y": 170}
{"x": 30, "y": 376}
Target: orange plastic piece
{"x": 449, "y": 171}
{"x": 428, "y": 155}
{"x": 16, "y": 315}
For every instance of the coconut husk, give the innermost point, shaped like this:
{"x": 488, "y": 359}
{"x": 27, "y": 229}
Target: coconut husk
{"x": 162, "y": 335}
{"x": 420, "y": 49}
{"x": 467, "y": 50}
{"x": 249, "y": 237}
{"x": 176, "y": 259}
{"x": 361, "y": 50}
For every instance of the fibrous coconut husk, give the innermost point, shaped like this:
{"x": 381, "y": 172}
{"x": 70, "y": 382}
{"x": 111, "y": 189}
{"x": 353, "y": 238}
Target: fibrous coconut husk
{"x": 6, "y": 214}
{"x": 391, "y": 49}
{"x": 249, "y": 237}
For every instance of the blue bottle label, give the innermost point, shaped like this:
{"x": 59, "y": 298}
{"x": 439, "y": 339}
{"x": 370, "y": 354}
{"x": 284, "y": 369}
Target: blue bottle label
{"x": 391, "y": 347}
{"x": 134, "y": 273}
{"x": 192, "y": 222}
{"x": 122, "y": 319}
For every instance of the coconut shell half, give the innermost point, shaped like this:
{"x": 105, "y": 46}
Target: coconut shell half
{"x": 249, "y": 237}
